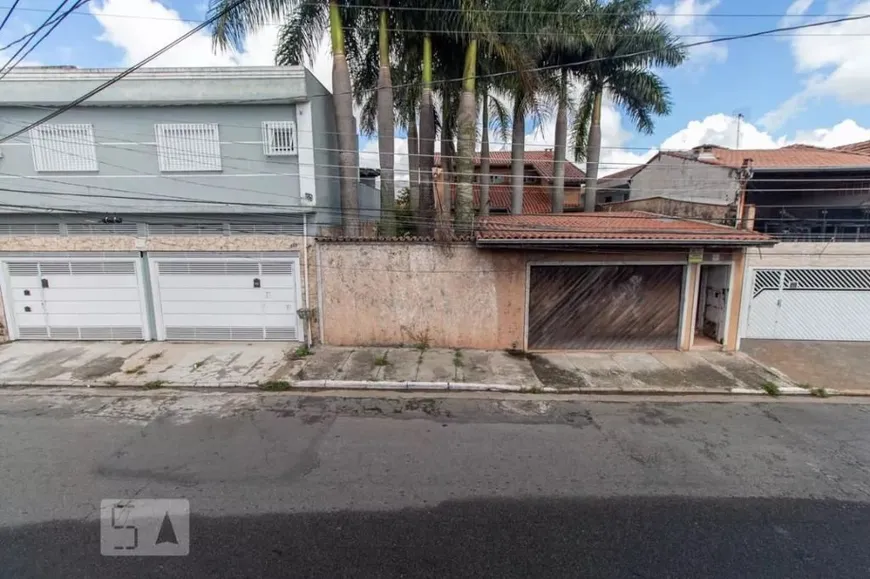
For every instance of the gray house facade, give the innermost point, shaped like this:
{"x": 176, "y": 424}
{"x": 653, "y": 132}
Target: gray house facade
{"x": 176, "y": 204}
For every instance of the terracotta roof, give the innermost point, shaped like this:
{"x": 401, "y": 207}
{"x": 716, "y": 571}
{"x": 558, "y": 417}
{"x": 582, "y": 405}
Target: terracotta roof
{"x": 536, "y": 198}
{"x": 625, "y": 226}
{"x": 791, "y": 157}
{"x": 861, "y": 148}
{"x": 625, "y": 174}
{"x": 542, "y": 161}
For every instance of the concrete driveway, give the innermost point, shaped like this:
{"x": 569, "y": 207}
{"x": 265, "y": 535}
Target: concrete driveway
{"x": 838, "y": 365}
{"x": 139, "y": 364}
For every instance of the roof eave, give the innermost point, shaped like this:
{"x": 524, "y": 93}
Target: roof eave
{"x": 809, "y": 169}
{"x": 625, "y": 242}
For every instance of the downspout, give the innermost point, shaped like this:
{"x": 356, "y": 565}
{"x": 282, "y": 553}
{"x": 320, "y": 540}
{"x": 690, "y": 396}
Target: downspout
{"x": 308, "y": 340}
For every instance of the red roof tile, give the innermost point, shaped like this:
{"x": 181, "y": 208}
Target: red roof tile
{"x": 627, "y": 226}
{"x": 536, "y": 198}
{"x": 791, "y": 157}
{"x": 862, "y": 148}
{"x": 542, "y": 161}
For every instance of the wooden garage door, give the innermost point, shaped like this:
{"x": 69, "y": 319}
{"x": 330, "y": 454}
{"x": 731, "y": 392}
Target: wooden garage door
{"x": 626, "y": 307}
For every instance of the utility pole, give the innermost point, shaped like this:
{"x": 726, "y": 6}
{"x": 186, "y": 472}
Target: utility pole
{"x": 739, "y": 118}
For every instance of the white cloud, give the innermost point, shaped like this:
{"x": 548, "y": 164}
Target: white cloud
{"x": 833, "y": 57}
{"x": 155, "y": 25}
{"x": 689, "y": 20}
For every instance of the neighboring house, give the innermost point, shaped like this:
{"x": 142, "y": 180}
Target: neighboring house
{"x": 173, "y": 205}
{"x": 602, "y": 281}
{"x": 537, "y": 177}
{"x": 816, "y": 284}
{"x": 616, "y": 187}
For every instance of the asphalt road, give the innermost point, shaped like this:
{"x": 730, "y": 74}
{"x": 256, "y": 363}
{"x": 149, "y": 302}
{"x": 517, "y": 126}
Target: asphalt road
{"x": 325, "y": 487}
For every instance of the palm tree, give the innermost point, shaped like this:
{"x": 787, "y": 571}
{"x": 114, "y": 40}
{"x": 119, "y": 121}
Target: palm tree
{"x": 386, "y": 135}
{"x": 299, "y": 37}
{"x": 627, "y": 42}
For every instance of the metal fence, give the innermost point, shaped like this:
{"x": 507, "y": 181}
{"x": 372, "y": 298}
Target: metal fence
{"x": 814, "y": 223}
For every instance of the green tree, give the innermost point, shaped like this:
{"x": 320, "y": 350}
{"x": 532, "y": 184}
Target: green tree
{"x": 625, "y": 42}
{"x": 304, "y": 23}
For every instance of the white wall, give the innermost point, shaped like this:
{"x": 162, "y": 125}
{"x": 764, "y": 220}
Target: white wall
{"x": 684, "y": 179}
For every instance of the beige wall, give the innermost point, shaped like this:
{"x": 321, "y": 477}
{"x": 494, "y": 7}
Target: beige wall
{"x": 674, "y": 207}
{"x": 399, "y": 293}
{"x": 375, "y": 293}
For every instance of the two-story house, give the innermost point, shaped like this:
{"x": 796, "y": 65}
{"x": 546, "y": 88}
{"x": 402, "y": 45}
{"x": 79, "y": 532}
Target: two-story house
{"x": 815, "y": 284}
{"x": 537, "y": 182}
{"x": 176, "y": 204}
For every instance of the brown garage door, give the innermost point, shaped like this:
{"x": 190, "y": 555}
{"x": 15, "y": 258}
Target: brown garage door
{"x": 625, "y": 307}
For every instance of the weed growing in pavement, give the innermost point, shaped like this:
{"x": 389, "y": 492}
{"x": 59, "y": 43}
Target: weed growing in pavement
{"x": 135, "y": 370}
{"x": 771, "y": 388}
{"x": 457, "y": 359}
{"x": 154, "y": 384}
{"x": 155, "y": 356}
{"x": 275, "y": 386}
{"x": 382, "y": 360}
{"x": 817, "y": 392}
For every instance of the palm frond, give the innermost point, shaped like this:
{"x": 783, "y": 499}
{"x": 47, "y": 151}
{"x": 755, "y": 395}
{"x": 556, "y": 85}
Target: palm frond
{"x": 579, "y": 132}
{"x": 236, "y": 20}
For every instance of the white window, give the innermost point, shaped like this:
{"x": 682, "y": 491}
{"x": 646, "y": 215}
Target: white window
{"x": 192, "y": 147}
{"x": 279, "y": 138}
{"x": 63, "y": 148}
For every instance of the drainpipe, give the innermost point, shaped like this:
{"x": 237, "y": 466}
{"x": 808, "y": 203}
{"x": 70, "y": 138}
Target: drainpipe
{"x": 308, "y": 340}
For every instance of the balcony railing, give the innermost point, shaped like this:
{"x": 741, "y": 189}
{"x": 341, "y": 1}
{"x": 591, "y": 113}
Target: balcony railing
{"x": 814, "y": 223}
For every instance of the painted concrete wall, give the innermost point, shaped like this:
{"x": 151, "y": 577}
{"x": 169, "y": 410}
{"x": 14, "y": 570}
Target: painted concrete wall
{"x": 374, "y": 293}
{"x": 673, "y": 207}
{"x": 678, "y": 178}
{"x": 128, "y": 163}
{"x": 401, "y": 293}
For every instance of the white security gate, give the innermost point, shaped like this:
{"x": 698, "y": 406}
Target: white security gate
{"x": 74, "y": 299}
{"x": 226, "y": 298}
{"x": 810, "y": 304}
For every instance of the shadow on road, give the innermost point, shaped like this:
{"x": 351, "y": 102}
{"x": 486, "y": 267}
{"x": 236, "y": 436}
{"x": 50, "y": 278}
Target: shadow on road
{"x": 626, "y": 537}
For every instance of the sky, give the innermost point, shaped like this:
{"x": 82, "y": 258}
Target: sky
{"x": 810, "y": 86}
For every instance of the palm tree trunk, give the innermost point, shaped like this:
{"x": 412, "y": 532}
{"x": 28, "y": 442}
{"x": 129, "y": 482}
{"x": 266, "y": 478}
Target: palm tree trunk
{"x": 484, "y": 154}
{"x": 593, "y": 156}
{"x": 414, "y": 168}
{"x": 518, "y": 141}
{"x": 386, "y": 137}
{"x": 467, "y": 121}
{"x": 345, "y": 125}
{"x": 448, "y": 160}
{"x": 425, "y": 224}
{"x": 558, "y": 194}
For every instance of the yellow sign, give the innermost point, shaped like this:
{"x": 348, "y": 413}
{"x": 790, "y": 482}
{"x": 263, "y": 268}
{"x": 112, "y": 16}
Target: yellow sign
{"x": 696, "y": 255}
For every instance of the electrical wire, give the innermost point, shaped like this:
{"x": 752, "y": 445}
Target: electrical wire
{"x": 232, "y": 6}
{"x": 36, "y": 44}
{"x": 30, "y": 35}
{"x": 10, "y": 9}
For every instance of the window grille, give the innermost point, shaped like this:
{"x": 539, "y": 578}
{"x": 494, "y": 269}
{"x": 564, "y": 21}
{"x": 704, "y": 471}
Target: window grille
{"x": 279, "y": 138}
{"x": 190, "y": 147}
{"x": 63, "y": 148}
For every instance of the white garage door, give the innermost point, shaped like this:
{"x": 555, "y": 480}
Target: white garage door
{"x": 74, "y": 299}
{"x": 810, "y": 304}
{"x": 226, "y": 299}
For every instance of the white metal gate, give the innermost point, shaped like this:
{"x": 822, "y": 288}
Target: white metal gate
{"x": 810, "y": 304}
{"x": 226, "y": 298}
{"x": 74, "y": 299}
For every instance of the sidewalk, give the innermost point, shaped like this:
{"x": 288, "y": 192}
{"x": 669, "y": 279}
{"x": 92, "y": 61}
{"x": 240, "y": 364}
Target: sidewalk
{"x": 280, "y": 366}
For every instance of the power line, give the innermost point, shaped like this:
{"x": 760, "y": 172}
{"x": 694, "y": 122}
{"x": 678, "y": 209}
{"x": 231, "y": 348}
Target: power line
{"x": 11, "y": 9}
{"x": 124, "y": 73}
{"x": 29, "y": 36}
{"x": 33, "y": 46}
{"x": 232, "y": 6}
{"x": 777, "y": 15}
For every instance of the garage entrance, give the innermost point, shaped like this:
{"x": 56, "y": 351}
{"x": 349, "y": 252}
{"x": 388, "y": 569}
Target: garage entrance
{"x": 810, "y": 304}
{"x": 74, "y": 299}
{"x": 225, "y": 298}
{"x": 602, "y": 307}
